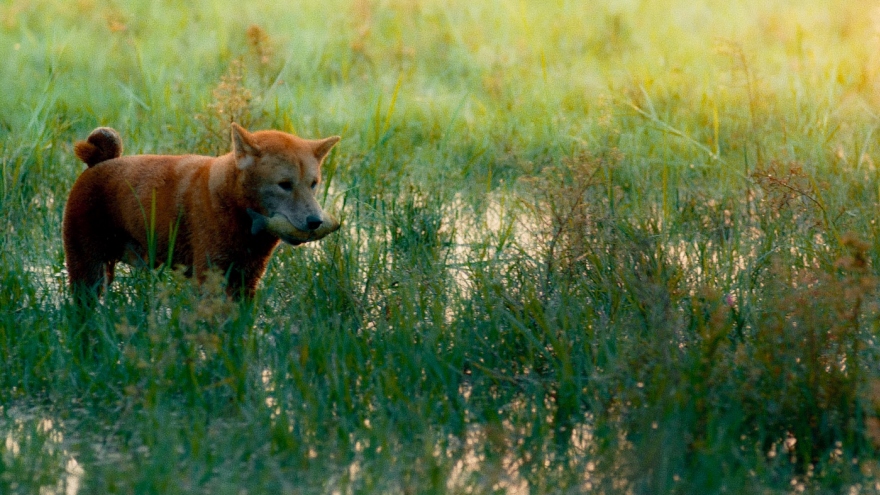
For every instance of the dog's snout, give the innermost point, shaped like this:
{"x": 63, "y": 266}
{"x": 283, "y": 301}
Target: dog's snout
{"x": 313, "y": 222}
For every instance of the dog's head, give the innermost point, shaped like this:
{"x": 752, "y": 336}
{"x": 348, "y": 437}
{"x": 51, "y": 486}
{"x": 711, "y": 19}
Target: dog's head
{"x": 279, "y": 175}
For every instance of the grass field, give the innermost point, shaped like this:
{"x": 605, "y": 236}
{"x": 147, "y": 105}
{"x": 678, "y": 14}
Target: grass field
{"x": 587, "y": 247}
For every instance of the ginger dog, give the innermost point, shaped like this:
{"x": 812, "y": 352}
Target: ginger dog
{"x": 191, "y": 210}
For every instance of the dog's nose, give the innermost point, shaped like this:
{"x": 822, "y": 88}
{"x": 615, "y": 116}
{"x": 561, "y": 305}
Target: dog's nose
{"x": 313, "y": 222}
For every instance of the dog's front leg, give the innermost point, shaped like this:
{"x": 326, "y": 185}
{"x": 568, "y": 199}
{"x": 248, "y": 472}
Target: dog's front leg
{"x": 241, "y": 283}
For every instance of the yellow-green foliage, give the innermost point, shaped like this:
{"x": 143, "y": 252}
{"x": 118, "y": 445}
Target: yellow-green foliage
{"x": 620, "y": 246}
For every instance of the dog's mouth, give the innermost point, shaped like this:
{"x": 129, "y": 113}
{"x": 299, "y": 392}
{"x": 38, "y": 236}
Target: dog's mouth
{"x": 293, "y": 241}
{"x": 290, "y": 240}
{"x": 279, "y": 224}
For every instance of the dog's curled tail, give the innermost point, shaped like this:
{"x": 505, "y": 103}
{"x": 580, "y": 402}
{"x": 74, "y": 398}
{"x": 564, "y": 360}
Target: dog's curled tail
{"x": 102, "y": 144}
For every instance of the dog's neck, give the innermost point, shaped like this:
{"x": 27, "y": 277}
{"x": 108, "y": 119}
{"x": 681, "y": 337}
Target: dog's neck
{"x": 221, "y": 181}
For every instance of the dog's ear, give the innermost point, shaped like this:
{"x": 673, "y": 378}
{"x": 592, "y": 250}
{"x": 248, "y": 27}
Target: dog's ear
{"x": 243, "y": 147}
{"x": 323, "y": 146}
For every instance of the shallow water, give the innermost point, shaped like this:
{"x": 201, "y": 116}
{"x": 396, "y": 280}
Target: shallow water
{"x": 35, "y": 448}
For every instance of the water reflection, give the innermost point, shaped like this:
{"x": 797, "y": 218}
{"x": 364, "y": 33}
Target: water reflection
{"x": 34, "y": 451}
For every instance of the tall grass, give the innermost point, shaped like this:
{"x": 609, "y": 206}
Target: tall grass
{"x": 619, "y": 247}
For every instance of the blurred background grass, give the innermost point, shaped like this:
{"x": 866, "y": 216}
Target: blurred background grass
{"x": 589, "y": 246}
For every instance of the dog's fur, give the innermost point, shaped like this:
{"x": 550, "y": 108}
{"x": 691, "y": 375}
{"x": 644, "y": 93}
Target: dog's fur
{"x": 188, "y": 210}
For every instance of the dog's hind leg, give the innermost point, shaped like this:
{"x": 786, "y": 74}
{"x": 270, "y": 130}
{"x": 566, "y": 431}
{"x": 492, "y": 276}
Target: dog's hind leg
{"x": 91, "y": 258}
{"x": 87, "y": 276}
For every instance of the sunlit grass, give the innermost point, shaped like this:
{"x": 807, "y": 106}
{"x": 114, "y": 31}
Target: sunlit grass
{"x": 620, "y": 247}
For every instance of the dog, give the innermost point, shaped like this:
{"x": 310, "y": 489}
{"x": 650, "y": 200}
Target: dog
{"x": 191, "y": 210}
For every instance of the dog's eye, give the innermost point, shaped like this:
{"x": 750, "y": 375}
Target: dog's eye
{"x": 314, "y": 183}
{"x": 286, "y": 185}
